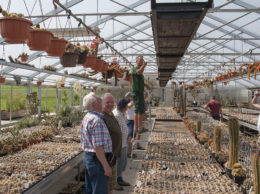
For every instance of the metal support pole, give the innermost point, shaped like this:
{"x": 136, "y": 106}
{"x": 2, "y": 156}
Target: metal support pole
{"x": 0, "y": 107}
{"x": 27, "y": 100}
{"x": 80, "y": 98}
{"x": 40, "y": 101}
{"x": 61, "y": 91}
{"x": 57, "y": 99}
{"x": 45, "y": 105}
{"x": 149, "y": 109}
{"x": 11, "y": 103}
{"x": 71, "y": 95}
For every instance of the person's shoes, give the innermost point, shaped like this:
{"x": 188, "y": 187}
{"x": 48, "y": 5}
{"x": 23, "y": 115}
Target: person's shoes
{"x": 118, "y": 188}
{"x": 140, "y": 148}
{"x": 123, "y": 183}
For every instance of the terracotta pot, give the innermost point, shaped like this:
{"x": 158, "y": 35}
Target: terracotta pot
{"x": 101, "y": 89}
{"x": 234, "y": 74}
{"x": 62, "y": 85}
{"x": 94, "y": 88}
{"x": 82, "y": 58}
{"x": 69, "y": 59}
{"x": 84, "y": 87}
{"x": 104, "y": 67}
{"x": 98, "y": 66}
{"x": 15, "y": 30}
{"x": 24, "y": 58}
{"x": 39, "y": 39}
{"x": 56, "y": 47}
{"x": 90, "y": 61}
{"x": 39, "y": 83}
{"x": 108, "y": 90}
{"x": 2, "y": 80}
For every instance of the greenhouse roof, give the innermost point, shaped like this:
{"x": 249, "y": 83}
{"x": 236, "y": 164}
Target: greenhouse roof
{"x": 227, "y": 37}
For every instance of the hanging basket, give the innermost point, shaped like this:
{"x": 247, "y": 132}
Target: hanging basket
{"x": 15, "y": 30}
{"x": 56, "y": 47}
{"x": 39, "y": 39}
{"x": 90, "y": 61}
{"x": 69, "y": 59}
{"x": 98, "y": 66}
{"x": 82, "y": 58}
{"x": 104, "y": 67}
{"x": 2, "y": 80}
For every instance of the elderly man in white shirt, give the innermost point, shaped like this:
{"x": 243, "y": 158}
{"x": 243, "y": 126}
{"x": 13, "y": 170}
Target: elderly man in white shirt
{"x": 119, "y": 113}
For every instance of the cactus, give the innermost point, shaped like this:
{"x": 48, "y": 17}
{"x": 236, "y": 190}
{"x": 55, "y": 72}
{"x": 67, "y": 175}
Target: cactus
{"x": 233, "y": 128}
{"x": 198, "y": 125}
{"x": 256, "y": 171}
{"x": 217, "y": 139}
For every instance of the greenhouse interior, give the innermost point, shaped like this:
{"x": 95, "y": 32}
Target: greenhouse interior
{"x": 140, "y": 96}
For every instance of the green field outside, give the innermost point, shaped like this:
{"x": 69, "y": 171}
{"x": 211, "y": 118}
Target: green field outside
{"x": 19, "y": 97}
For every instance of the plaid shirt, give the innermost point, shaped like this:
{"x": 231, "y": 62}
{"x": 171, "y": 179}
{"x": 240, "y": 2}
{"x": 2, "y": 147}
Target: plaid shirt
{"x": 94, "y": 133}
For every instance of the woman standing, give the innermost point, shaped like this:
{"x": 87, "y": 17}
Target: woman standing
{"x": 119, "y": 113}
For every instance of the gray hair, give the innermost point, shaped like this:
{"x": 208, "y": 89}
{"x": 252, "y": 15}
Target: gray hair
{"x": 107, "y": 95}
{"x": 89, "y": 100}
{"x": 128, "y": 94}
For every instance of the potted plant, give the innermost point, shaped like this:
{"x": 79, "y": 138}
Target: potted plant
{"x": 50, "y": 68}
{"x": 14, "y": 28}
{"x": 83, "y": 53}
{"x": 39, "y": 39}
{"x": 99, "y": 64}
{"x": 94, "y": 88}
{"x": 2, "y": 79}
{"x": 91, "y": 58}
{"x": 39, "y": 83}
{"x": 71, "y": 56}
{"x": 57, "y": 46}
{"x": 23, "y": 57}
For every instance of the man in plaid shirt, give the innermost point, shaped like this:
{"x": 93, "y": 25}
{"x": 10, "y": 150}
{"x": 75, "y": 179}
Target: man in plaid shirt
{"x": 96, "y": 143}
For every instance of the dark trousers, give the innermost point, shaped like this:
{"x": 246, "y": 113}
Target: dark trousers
{"x": 216, "y": 117}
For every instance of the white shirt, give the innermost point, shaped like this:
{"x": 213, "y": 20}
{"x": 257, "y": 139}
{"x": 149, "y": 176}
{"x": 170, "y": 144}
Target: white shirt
{"x": 130, "y": 113}
{"x": 122, "y": 123}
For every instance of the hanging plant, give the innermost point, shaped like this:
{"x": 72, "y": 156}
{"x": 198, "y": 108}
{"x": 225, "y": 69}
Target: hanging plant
{"x": 83, "y": 53}
{"x": 56, "y": 47}
{"x": 39, "y": 39}
{"x": 71, "y": 56}
{"x": 91, "y": 58}
{"x": 14, "y": 28}
{"x": 23, "y": 57}
{"x": 39, "y": 83}
{"x": 2, "y": 79}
